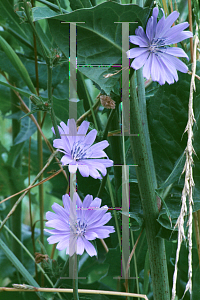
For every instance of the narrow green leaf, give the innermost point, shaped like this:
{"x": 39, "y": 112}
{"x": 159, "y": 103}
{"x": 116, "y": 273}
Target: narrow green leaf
{"x": 17, "y": 64}
{"x": 24, "y": 93}
{"x": 18, "y": 265}
{"x": 165, "y": 205}
{"x": 176, "y": 172}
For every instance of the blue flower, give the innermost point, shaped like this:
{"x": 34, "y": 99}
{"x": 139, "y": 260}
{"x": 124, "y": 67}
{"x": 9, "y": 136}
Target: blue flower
{"x": 79, "y": 152}
{"x": 78, "y": 222}
{"x": 159, "y": 60}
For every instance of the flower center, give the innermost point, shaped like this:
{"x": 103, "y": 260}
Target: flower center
{"x": 78, "y": 228}
{"x": 157, "y": 45}
{"x": 79, "y": 151}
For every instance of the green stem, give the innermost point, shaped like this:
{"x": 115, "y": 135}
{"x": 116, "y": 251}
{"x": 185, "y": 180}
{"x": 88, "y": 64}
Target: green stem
{"x": 50, "y": 98}
{"x": 45, "y": 51}
{"x": 117, "y": 154}
{"x": 16, "y": 217}
{"x": 41, "y": 191}
{"x": 75, "y": 277}
{"x": 105, "y": 133}
{"x": 135, "y": 265}
{"x": 156, "y": 245}
{"x": 114, "y": 211}
{"x": 83, "y": 93}
{"x": 60, "y": 8}
{"x": 143, "y": 114}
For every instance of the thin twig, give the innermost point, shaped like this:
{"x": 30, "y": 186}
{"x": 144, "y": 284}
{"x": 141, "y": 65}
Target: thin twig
{"x": 80, "y": 291}
{"x": 190, "y": 73}
{"x": 129, "y": 260}
{"x": 88, "y": 113}
{"x": 32, "y": 186}
{"x": 22, "y": 196}
{"x": 25, "y": 109}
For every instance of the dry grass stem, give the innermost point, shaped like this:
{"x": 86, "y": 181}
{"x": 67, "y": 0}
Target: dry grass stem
{"x": 32, "y": 186}
{"x": 188, "y": 187}
{"x": 22, "y": 196}
{"x": 28, "y": 288}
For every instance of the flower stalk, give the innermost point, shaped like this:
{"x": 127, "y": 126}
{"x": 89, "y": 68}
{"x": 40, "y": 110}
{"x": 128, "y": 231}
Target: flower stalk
{"x": 143, "y": 114}
{"x": 75, "y": 277}
{"x": 156, "y": 245}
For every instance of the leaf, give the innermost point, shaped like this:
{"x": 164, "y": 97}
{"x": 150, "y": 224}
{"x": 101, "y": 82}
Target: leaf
{"x": 167, "y": 113}
{"x": 77, "y": 4}
{"x": 4, "y": 178}
{"x": 11, "y": 22}
{"x": 61, "y": 108}
{"x": 176, "y": 172}
{"x": 99, "y": 39}
{"x": 60, "y": 71}
{"x": 40, "y": 13}
{"x": 164, "y": 204}
{"x": 18, "y": 265}
{"x": 27, "y": 129}
{"x": 20, "y": 30}
{"x": 113, "y": 258}
{"x": 14, "y": 152}
{"x": 6, "y": 268}
{"x": 16, "y": 62}
{"x": 93, "y": 272}
{"x": 196, "y": 286}
{"x": 135, "y": 213}
{"x": 22, "y": 92}
{"x": 5, "y": 103}
{"x": 96, "y": 74}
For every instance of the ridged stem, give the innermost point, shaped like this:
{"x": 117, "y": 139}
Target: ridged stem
{"x": 16, "y": 217}
{"x": 156, "y": 245}
{"x": 143, "y": 114}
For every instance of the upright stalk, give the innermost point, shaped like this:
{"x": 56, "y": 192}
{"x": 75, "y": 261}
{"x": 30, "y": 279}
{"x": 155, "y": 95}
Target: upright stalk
{"x": 41, "y": 192}
{"x": 156, "y": 245}
{"x": 16, "y": 217}
{"x": 75, "y": 277}
{"x": 143, "y": 114}
{"x": 49, "y": 89}
{"x": 117, "y": 152}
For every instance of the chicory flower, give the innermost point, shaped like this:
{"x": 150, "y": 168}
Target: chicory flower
{"x": 78, "y": 222}
{"x": 154, "y": 53}
{"x": 79, "y": 151}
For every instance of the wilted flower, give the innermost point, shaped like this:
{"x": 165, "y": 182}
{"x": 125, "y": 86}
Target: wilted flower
{"x": 78, "y": 222}
{"x": 78, "y": 149}
{"x": 159, "y": 60}
{"x": 107, "y": 102}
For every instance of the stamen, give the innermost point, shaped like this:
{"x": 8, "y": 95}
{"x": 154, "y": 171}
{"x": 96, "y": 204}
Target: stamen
{"x": 79, "y": 151}
{"x": 157, "y": 45}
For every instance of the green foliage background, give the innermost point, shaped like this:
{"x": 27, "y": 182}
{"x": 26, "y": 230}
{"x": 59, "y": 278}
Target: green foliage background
{"x": 98, "y": 42}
